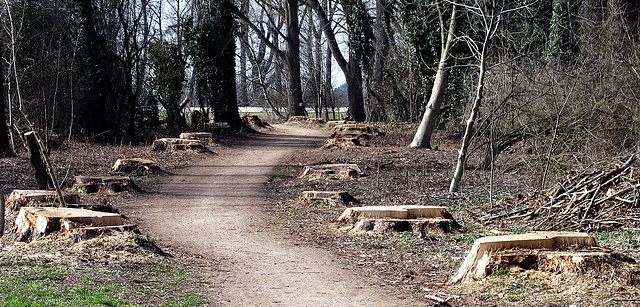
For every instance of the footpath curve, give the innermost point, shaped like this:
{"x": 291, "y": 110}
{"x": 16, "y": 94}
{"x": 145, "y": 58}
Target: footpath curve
{"x": 213, "y": 209}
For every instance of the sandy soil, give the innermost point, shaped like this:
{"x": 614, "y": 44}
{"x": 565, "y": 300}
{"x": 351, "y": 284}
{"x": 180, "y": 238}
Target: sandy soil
{"x": 214, "y": 209}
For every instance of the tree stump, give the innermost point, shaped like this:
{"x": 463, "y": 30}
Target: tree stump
{"x": 331, "y": 171}
{"x": 22, "y": 198}
{"x": 254, "y": 122}
{"x": 104, "y": 184}
{"x": 34, "y": 222}
{"x": 172, "y": 144}
{"x": 343, "y": 139}
{"x": 297, "y": 119}
{"x": 334, "y": 123}
{"x": 204, "y": 137}
{"x": 331, "y": 197}
{"x": 420, "y": 220}
{"x": 315, "y": 121}
{"x": 565, "y": 249}
{"x": 134, "y": 165}
{"x": 217, "y": 128}
{"x": 355, "y": 128}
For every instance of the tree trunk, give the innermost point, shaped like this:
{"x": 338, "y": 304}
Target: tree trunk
{"x": 354, "y": 91}
{"x": 294, "y": 99}
{"x": 42, "y": 178}
{"x": 462, "y": 154}
{"x": 5, "y": 145}
{"x": 422, "y": 138}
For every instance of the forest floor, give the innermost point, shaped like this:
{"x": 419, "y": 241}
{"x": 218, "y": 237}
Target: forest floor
{"x": 229, "y": 230}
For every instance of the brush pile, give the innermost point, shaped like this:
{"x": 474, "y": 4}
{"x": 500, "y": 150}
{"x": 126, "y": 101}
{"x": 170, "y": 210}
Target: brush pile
{"x": 584, "y": 201}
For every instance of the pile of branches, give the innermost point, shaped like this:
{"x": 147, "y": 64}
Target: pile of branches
{"x": 585, "y": 201}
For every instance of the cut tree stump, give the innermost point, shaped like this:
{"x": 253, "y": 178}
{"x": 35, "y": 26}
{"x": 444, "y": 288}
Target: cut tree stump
{"x": 566, "y": 249}
{"x": 331, "y": 171}
{"x": 35, "y": 222}
{"x": 420, "y": 220}
{"x": 217, "y": 128}
{"x": 315, "y": 121}
{"x": 22, "y": 198}
{"x": 134, "y": 165}
{"x": 204, "y": 137}
{"x": 343, "y": 139}
{"x": 355, "y": 128}
{"x": 104, "y": 184}
{"x": 334, "y": 123}
{"x": 255, "y": 122}
{"x": 331, "y": 197}
{"x": 171, "y": 144}
{"x": 297, "y": 119}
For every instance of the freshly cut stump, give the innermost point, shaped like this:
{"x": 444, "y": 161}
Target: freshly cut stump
{"x": 315, "y": 121}
{"x": 331, "y": 171}
{"x": 134, "y": 165}
{"x": 420, "y": 220}
{"x": 342, "y": 142}
{"x": 204, "y": 137}
{"x": 565, "y": 249}
{"x": 21, "y": 198}
{"x": 104, "y": 184}
{"x": 297, "y": 119}
{"x": 332, "y": 197}
{"x": 34, "y": 222}
{"x": 170, "y": 144}
{"x": 358, "y": 128}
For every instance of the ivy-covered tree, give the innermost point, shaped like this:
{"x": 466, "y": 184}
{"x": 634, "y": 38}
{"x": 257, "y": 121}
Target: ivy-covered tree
{"x": 212, "y": 45}
{"x": 168, "y": 66}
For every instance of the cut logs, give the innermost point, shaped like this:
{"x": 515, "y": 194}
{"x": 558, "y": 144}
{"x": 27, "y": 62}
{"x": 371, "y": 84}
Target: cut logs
{"x": 104, "y": 184}
{"x": 35, "y": 222}
{"x": 330, "y": 197}
{"x": 562, "y": 250}
{"x": 171, "y": 144}
{"x": 204, "y": 137}
{"x": 23, "y": 198}
{"x": 420, "y": 220}
{"x": 331, "y": 171}
{"x": 134, "y": 165}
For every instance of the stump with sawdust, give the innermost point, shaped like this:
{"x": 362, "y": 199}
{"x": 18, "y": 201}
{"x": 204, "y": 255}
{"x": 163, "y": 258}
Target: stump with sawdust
{"x": 104, "y": 184}
{"x": 134, "y": 165}
{"x": 297, "y": 119}
{"x": 343, "y": 139}
{"x": 331, "y": 171}
{"x": 358, "y": 128}
{"x": 33, "y": 222}
{"x": 558, "y": 252}
{"x": 173, "y": 144}
{"x": 23, "y": 198}
{"x": 330, "y": 197}
{"x": 204, "y": 137}
{"x": 420, "y": 220}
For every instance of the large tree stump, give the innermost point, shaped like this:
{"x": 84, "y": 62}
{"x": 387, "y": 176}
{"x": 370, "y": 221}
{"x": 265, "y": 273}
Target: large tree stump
{"x": 254, "y": 122}
{"x": 420, "y": 220}
{"x": 297, "y": 119}
{"x": 21, "y": 198}
{"x": 204, "y": 137}
{"x": 42, "y": 177}
{"x": 485, "y": 252}
{"x": 331, "y": 197}
{"x": 334, "y": 123}
{"x": 36, "y": 222}
{"x": 104, "y": 184}
{"x": 172, "y": 144}
{"x": 343, "y": 139}
{"x": 331, "y": 171}
{"x": 358, "y": 128}
{"x": 134, "y": 165}
{"x": 315, "y": 121}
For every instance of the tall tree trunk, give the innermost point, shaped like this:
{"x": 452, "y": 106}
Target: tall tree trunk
{"x": 294, "y": 97}
{"x": 243, "y": 95}
{"x": 422, "y": 138}
{"x": 462, "y": 153}
{"x": 354, "y": 91}
{"x": 5, "y": 144}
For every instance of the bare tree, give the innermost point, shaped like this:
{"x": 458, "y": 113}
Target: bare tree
{"x": 422, "y": 138}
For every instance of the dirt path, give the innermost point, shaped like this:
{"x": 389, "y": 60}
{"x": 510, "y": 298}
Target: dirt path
{"x": 213, "y": 209}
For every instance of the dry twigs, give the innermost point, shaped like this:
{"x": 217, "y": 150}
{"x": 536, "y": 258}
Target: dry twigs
{"x": 580, "y": 202}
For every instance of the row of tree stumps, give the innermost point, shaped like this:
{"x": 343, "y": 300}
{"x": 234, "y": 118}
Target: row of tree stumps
{"x": 38, "y": 216}
{"x": 552, "y": 251}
